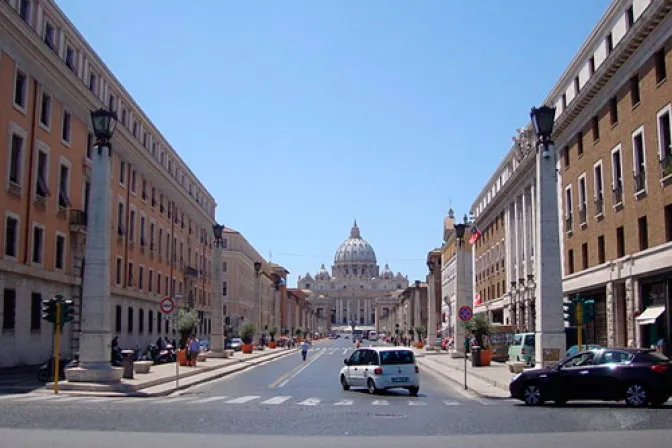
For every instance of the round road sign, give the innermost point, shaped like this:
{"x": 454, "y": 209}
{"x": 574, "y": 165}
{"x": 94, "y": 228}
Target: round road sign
{"x": 167, "y": 305}
{"x": 465, "y": 313}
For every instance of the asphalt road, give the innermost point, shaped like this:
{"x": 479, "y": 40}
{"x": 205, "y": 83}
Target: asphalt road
{"x": 289, "y": 397}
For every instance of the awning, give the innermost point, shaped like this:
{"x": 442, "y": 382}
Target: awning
{"x": 650, "y": 315}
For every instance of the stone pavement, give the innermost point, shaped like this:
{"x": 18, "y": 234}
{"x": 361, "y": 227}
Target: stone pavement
{"x": 489, "y": 382}
{"x": 161, "y": 380}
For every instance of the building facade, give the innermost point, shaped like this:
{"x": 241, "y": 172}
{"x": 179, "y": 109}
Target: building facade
{"x": 456, "y": 283}
{"x": 355, "y": 282}
{"x": 50, "y": 79}
{"x": 613, "y": 118}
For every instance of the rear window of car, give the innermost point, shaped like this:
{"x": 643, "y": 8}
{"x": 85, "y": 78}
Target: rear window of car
{"x": 654, "y": 357}
{"x": 390, "y": 357}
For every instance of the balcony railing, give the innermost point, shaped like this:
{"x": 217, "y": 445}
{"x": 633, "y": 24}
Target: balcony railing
{"x": 78, "y": 218}
{"x": 190, "y": 271}
{"x": 618, "y": 195}
{"x": 666, "y": 166}
{"x": 640, "y": 181}
{"x": 599, "y": 206}
{"x": 569, "y": 223}
{"x": 582, "y": 214}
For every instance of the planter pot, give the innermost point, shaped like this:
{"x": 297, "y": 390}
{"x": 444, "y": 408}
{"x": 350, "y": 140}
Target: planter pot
{"x": 247, "y": 348}
{"x": 299, "y": 340}
{"x": 272, "y": 344}
{"x": 419, "y": 344}
{"x": 486, "y": 357}
{"x": 182, "y": 357}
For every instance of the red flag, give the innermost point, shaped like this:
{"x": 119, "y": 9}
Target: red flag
{"x": 475, "y": 235}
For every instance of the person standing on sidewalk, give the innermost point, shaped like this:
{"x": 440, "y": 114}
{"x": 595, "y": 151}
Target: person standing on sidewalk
{"x": 304, "y": 349}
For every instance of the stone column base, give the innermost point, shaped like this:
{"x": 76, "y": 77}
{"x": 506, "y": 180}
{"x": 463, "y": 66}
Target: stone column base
{"x": 456, "y": 354}
{"x": 222, "y": 354}
{"x": 94, "y": 373}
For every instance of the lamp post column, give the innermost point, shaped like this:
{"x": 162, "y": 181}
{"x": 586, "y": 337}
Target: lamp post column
{"x": 96, "y": 326}
{"x": 431, "y": 305}
{"x": 257, "y": 299}
{"x": 217, "y": 343}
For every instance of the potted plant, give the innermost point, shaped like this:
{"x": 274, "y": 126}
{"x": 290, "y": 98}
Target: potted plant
{"x": 185, "y": 325}
{"x": 481, "y": 328}
{"x": 247, "y": 335}
{"x": 272, "y": 332}
{"x": 299, "y": 333}
{"x": 420, "y": 331}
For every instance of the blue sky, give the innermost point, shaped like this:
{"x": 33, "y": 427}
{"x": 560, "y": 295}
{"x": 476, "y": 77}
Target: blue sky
{"x": 300, "y": 116}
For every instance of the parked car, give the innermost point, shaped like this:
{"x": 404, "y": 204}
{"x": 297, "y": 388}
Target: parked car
{"x": 638, "y": 376}
{"x": 574, "y": 349}
{"x": 234, "y": 344}
{"x": 381, "y": 368}
{"x": 522, "y": 348}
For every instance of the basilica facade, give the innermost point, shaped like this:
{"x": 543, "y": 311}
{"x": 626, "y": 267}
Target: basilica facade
{"x": 352, "y": 292}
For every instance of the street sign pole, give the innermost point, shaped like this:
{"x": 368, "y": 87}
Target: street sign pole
{"x": 465, "y": 313}
{"x": 579, "y": 323}
{"x": 57, "y": 343}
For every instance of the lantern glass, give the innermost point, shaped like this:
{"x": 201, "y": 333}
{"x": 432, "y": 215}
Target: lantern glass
{"x": 217, "y": 230}
{"x": 257, "y": 266}
{"x": 543, "y": 119}
{"x": 103, "y": 122}
{"x": 459, "y": 231}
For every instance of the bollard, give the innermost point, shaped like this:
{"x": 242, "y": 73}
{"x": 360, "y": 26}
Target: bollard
{"x": 127, "y": 363}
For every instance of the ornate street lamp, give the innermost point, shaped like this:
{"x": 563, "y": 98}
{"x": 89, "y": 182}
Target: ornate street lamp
{"x": 459, "y": 233}
{"x": 217, "y": 229}
{"x": 257, "y": 267}
{"x": 430, "y": 265}
{"x": 543, "y": 119}
{"x": 104, "y": 121}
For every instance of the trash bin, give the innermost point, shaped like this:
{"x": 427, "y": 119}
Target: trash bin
{"x": 476, "y": 356}
{"x": 127, "y": 363}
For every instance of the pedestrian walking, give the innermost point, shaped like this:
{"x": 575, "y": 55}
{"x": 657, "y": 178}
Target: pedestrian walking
{"x": 304, "y": 349}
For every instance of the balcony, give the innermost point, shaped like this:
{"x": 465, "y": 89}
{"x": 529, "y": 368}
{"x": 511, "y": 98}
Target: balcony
{"x": 191, "y": 271}
{"x": 666, "y": 167}
{"x": 78, "y": 220}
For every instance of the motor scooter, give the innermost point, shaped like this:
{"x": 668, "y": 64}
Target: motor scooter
{"x": 46, "y": 370}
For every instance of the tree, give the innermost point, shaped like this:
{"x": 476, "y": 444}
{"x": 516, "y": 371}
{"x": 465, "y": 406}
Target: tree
{"x": 421, "y": 331}
{"x": 272, "y": 332}
{"x": 186, "y": 323}
{"x": 247, "y": 332}
{"x": 480, "y": 327}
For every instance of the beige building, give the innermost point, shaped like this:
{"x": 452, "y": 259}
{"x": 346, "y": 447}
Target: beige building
{"x": 612, "y": 129}
{"x": 50, "y": 79}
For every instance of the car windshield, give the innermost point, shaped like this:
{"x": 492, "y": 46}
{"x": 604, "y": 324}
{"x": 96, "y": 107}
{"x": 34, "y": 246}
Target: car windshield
{"x": 391, "y": 357}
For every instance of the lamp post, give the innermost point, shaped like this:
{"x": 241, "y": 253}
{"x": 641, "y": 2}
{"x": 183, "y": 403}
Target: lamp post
{"x": 431, "y": 300}
{"x": 218, "y": 343}
{"x": 257, "y": 299}
{"x": 96, "y": 320}
{"x": 550, "y": 335}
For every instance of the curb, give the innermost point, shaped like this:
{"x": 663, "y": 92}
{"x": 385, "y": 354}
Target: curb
{"x": 216, "y": 373}
{"x": 470, "y": 389}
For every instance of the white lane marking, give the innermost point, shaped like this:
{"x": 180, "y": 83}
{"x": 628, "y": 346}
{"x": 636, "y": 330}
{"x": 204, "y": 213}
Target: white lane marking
{"x": 417, "y": 403}
{"x": 210, "y": 399}
{"x": 345, "y": 352}
{"x": 380, "y": 402}
{"x": 9, "y": 397}
{"x": 68, "y": 399}
{"x": 315, "y": 358}
{"x": 344, "y": 403}
{"x": 108, "y": 399}
{"x": 277, "y": 400}
{"x": 241, "y": 400}
{"x": 310, "y": 402}
{"x": 36, "y": 398}
{"x": 178, "y": 399}
{"x": 451, "y": 403}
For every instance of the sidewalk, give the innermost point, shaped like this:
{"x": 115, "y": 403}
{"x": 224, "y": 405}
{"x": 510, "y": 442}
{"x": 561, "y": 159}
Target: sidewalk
{"x": 161, "y": 380}
{"x": 489, "y": 382}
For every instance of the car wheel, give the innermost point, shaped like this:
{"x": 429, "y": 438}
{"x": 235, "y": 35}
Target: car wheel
{"x": 371, "y": 386}
{"x": 344, "y": 383}
{"x": 413, "y": 391}
{"x": 532, "y": 395}
{"x": 636, "y": 395}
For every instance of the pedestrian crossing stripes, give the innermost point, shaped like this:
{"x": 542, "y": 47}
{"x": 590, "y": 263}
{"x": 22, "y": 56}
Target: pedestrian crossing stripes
{"x": 195, "y": 401}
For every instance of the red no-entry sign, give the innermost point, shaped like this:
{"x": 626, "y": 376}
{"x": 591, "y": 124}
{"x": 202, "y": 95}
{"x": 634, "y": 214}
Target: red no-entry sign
{"x": 465, "y": 313}
{"x": 167, "y": 305}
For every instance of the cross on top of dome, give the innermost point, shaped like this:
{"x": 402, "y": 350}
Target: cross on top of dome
{"x": 354, "y": 232}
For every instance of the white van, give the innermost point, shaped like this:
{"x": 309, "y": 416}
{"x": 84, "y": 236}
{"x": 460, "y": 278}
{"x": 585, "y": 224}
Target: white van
{"x": 373, "y": 336}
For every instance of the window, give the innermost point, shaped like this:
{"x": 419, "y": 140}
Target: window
{"x": 151, "y": 236}
{"x": 596, "y": 128}
{"x": 124, "y": 117}
{"x": 617, "y": 175}
{"x": 50, "y": 35}
{"x": 613, "y": 111}
{"x": 131, "y": 278}
{"x": 661, "y": 70}
{"x": 135, "y": 129}
{"x": 112, "y": 102}
{"x": 643, "y": 231}
{"x": 668, "y": 223}
{"x": 20, "y": 89}
{"x": 117, "y": 319}
{"x": 143, "y": 242}
{"x": 11, "y": 236}
{"x": 93, "y": 83}
{"x": 598, "y": 188}
{"x": 665, "y": 140}
{"x": 591, "y": 66}
{"x": 620, "y": 242}
{"x": 141, "y": 320}
{"x": 70, "y": 59}
{"x": 122, "y": 172}
{"x": 579, "y": 143}
{"x": 158, "y": 283}
{"x": 225, "y": 266}
{"x": 129, "y": 318}
{"x": 90, "y": 142}
{"x": 150, "y": 322}
{"x": 564, "y": 101}
{"x": 42, "y": 173}
{"x": 134, "y": 179}
{"x": 150, "y": 281}
{"x": 582, "y": 198}
{"x": 25, "y": 10}
{"x": 141, "y": 277}
{"x": 45, "y": 110}
{"x": 584, "y": 256}
{"x": 118, "y": 273}
{"x": 629, "y": 17}
{"x": 577, "y": 85}
{"x": 568, "y": 208}
{"x": 60, "y": 252}
{"x": 609, "y": 43}
{"x": 131, "y": 226}
{"x": 8, "y": 309}
{"x": 120, "y": 219}
{"x": 64, "y": 187}
{"x": 160, "y": 241}
{"x": 635, "y": 95}
{"x": 16, "y": 159}
{"x": 225, "y": 289}
{"x": 570, "y": 262}
{"x": 565, "y": 152}
{"x": 145, "y": 140}
{"x": 639, "y": 160}
{"x": 600, "y": 249}
{"x": 35, "y": 311}
{"x": 66, "y": 129}
{"x": 38, "y": 244}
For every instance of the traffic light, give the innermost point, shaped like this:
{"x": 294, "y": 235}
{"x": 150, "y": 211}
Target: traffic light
{"x": 49, "y": 310}
{"x": 569, "y": 313}
{"x": 588, "y": 310}
{"x": 67, "y": 311}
